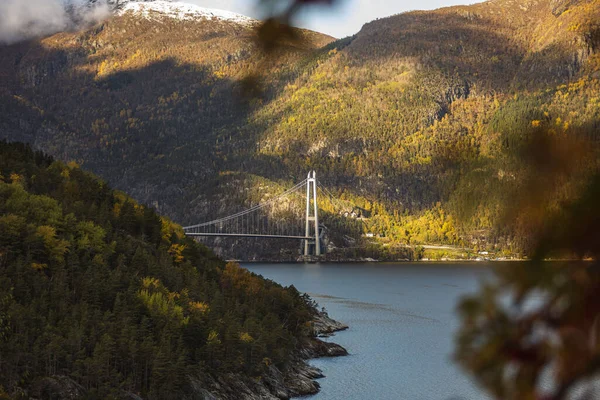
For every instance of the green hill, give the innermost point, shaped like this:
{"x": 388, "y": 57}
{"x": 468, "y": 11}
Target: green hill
{"x": 413, "y": 119}
{"x": 100, "y": 297}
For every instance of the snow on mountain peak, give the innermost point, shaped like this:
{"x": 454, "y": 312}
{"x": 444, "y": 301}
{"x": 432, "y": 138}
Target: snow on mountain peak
{"x": 182, "y": 11}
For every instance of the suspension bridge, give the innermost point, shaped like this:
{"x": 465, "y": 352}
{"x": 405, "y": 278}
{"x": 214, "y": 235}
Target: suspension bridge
{"x": 281, "y": 217}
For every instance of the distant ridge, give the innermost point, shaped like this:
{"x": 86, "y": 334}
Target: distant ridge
{"x": 180, "y": 10}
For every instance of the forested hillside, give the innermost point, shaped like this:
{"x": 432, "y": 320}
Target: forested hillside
{"x": 100, "y": 297}
{"x": 416, "y": 119}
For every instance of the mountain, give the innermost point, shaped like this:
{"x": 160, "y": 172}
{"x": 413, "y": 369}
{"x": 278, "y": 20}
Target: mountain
{"x": 101, "y": 297}
{"x": 159, "y": 10}
{"x": 414, "y": 119}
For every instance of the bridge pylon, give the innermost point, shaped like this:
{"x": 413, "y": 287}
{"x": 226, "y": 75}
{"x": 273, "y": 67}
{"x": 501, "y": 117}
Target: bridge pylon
{"x": 312, "y": 214}
{"x": 255, "y": 222}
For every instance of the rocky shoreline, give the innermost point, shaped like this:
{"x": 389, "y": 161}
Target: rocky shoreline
{"x": 297, "y": 379}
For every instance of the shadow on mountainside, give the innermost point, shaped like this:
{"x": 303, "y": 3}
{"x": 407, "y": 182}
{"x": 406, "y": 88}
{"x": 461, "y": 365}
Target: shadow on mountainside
{"x": 149, "y": 131}
{"x": 163, "y": 133}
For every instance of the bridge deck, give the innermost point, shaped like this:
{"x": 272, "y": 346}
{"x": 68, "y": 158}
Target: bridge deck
{"x": 249, "y": 236}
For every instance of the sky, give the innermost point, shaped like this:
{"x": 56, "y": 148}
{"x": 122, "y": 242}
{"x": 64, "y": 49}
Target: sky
{"x": 341, "y": 20}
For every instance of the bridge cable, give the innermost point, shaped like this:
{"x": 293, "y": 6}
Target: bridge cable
{"x": 250, "y": 210}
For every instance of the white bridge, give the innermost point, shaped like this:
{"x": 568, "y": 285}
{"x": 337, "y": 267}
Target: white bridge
{"x": 272, "y": 220}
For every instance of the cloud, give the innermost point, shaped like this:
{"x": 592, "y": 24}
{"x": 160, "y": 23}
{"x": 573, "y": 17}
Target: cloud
{"x": 95, "y": 13}
{"x": 26, "y": 19}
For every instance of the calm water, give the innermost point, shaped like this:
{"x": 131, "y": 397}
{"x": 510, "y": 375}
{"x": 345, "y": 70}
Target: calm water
{"x": 402, "y": 321}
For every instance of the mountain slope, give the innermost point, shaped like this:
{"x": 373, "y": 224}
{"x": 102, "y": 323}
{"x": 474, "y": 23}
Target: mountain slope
{"x": 400, "y": 120}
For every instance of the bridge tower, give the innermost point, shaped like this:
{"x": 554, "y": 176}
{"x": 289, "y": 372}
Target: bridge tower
{"x": 311, "y": 186}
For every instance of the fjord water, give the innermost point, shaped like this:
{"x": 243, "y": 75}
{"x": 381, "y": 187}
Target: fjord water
{"x": 402, "y": 320}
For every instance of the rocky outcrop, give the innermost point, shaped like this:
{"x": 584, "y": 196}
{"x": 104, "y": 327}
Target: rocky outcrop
{"x": 295, "y": 380}
{"x": 324, "y": 326}
{"x": 319, "y": 349}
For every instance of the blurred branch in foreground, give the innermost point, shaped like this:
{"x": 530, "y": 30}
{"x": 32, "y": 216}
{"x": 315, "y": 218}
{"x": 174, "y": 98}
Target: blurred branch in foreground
{"x": 277, "y": 28}
{"x": 276, "y": 33}
{"x": 534, "y": 333}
